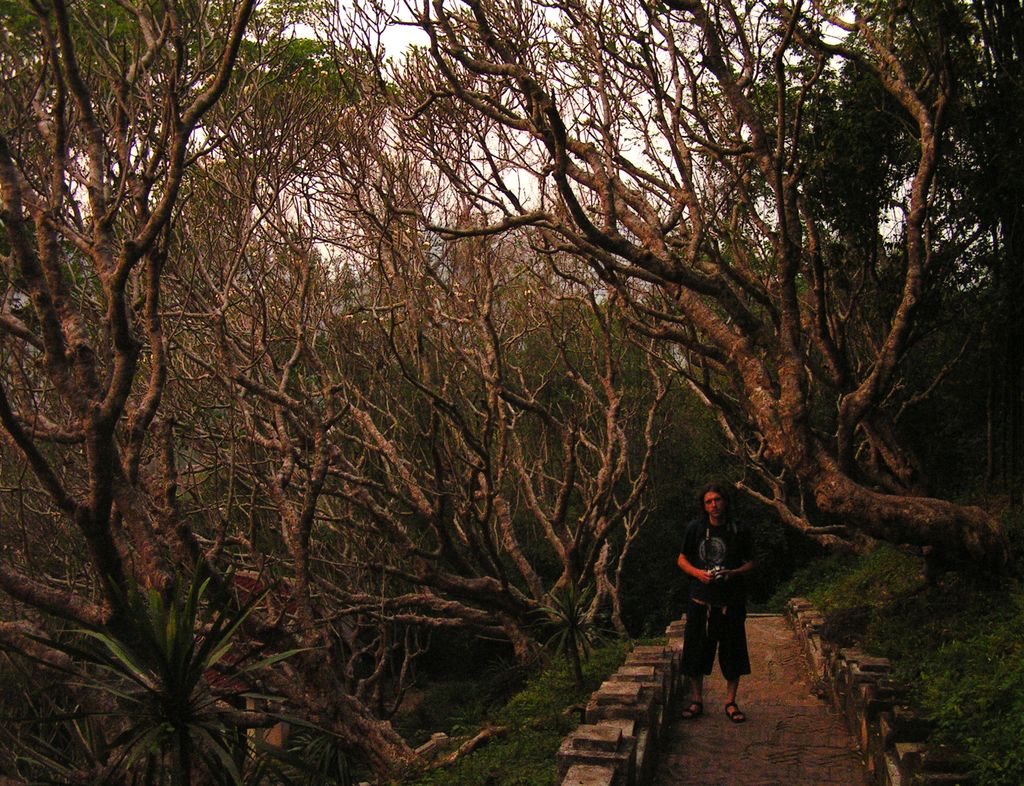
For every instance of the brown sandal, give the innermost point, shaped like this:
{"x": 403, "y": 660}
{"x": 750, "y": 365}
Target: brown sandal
{"x": 695, "y": 710}
{"x": 735, "y": 713}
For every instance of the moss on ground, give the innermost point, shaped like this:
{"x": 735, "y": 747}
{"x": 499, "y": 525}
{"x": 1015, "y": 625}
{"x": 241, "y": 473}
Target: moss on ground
{"x": 537, "y": 718}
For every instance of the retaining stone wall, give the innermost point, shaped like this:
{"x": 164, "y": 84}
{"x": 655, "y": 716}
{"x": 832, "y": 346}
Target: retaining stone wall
{"x": 627, "y": 716}
{"x": 893, "y": 737}
{"x": 626, "y": 719}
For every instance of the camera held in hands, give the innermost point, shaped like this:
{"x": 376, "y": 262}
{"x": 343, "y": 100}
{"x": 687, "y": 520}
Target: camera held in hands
{"x": 718, "y": 573}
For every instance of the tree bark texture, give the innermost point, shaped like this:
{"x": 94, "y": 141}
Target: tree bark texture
{"x": 677, "y": 149}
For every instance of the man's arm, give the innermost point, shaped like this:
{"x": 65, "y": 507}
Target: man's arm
{"x": 701, "y": 575}
{"x": 746, "y": 567}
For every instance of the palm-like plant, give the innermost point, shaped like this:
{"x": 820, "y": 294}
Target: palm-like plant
{"x": 174, "y": 692}
{"x": 40, "y": 735}
{"x": 571, "y": 626}
{"x": 310, "y": 757}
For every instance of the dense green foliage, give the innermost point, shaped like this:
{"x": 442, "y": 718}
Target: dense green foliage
{"x": 957, "y": 643}
{"x": 537, "y": 720}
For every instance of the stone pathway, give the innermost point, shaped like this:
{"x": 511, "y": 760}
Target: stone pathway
{"x": 791, "y": 738}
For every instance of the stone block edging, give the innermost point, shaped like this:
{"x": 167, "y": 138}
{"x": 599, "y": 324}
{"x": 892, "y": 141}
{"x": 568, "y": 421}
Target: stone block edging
{"x": 625, "y": 720}
{"x": 892, "y": 735}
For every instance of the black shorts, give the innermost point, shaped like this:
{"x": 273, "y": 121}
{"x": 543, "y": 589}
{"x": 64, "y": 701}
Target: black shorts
{"x": 708, "y": 629}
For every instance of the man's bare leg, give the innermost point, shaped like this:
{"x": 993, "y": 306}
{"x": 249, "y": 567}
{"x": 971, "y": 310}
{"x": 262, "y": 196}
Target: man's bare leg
{"x": 735, "y": 713}
{"x": 695, "y": 707}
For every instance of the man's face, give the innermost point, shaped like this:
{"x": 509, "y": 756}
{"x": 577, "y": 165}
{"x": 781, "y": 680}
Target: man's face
{"x": 714, "y": 505}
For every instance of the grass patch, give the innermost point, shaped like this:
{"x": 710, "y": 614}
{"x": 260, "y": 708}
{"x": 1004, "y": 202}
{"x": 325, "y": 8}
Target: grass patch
{"x": 843, "y": 581}
{"x": 957, "y": 643}
{"x": 537, "y": 721}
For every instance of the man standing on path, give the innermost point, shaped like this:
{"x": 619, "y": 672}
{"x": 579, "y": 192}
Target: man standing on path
{"x": 717, "y": 551}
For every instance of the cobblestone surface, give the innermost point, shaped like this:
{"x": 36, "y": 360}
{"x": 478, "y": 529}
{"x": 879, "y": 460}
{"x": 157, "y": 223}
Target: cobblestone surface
{"x": 791, "y": 738}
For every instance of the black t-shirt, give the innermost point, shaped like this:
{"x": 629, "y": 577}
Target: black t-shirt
{"x": 726, "y": 545}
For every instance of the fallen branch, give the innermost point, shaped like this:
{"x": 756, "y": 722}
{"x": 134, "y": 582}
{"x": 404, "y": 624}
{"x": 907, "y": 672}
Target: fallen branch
{"x": 470, "y": 745}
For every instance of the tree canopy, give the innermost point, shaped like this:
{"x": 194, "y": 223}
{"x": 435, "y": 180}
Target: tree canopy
{"x": 386, "y": 348}
{"x": 710, "y": 164}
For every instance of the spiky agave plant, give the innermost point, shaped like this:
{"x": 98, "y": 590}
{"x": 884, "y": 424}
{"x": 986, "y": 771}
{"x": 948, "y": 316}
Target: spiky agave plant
{"x": 174, "y": 695}
{"x": 571, "y": 628}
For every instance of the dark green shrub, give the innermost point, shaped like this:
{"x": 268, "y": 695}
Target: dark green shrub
{"x": 957, "y": 643}
{"x": 973, "y": 688}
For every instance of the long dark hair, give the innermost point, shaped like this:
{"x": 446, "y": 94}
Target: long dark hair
{"x": 725, "y": 492}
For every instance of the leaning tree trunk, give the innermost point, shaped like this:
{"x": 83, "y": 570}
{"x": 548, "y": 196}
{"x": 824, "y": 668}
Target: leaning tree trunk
{"x": 731, "y": 256}
{"x": 960, "y": 534}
